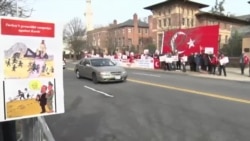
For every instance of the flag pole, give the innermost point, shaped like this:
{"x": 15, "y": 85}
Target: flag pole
{"x": 162, "y": 40}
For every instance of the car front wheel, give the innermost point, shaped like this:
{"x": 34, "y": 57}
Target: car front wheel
{"x": 78, "y": 74}
{"x": 94, "y": 78}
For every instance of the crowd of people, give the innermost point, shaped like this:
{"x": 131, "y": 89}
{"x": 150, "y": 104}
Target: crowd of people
{"x": 210, "y": 63}
{"x": 205, "y": 62}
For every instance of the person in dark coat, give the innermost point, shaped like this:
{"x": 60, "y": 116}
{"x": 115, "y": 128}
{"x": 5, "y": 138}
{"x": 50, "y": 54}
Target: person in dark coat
{"x": 197, "y": 59}
{"x": 43, "y": 99}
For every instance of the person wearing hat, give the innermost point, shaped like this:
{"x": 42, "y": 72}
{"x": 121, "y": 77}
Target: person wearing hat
{"x": 50, "y": 95}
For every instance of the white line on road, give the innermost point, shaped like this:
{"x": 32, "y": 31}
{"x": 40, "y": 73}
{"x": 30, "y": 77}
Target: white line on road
{"x": 147, "y": 74}
{"x": 108, "y": 95}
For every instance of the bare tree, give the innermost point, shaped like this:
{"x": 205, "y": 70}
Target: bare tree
{"x": 11, "y": 8}
{"x": 218, "y": 8}
{"x": 73, "y": 35}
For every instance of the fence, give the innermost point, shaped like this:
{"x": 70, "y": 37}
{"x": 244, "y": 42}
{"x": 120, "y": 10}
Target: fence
{"x": 33, "y": 129}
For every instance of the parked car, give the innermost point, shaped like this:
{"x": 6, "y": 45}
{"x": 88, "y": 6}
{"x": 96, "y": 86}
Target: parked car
{"x": 100, "y": 70}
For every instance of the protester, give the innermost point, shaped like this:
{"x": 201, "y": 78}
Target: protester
{"x": 222, "y": 66}
{"x": 244, "y": 61}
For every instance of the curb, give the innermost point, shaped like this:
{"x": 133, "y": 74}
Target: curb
{"x": 201, "y": 74}
{"x": 195, "y": 74}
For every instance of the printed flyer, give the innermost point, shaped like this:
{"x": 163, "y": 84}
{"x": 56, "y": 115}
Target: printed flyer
{"x": 31, "y": 69}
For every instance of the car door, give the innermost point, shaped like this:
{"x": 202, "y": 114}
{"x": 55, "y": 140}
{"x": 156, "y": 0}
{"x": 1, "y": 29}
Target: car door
{"x": 81, "y": 68}
{"x": 87, "y": 69}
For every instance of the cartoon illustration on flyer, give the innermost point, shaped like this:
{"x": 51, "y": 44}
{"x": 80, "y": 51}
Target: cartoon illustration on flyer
{"x": 22, "y": 61}
{"x": 31, "y": 97}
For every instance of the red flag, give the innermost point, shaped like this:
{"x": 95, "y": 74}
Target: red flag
{"x": 157, "y": 64}
{"x": 191, "y": 40}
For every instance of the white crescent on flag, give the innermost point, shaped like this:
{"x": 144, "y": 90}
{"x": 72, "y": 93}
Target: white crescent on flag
{"x": 173, "y": 39}
{"x": 157, "y": 64}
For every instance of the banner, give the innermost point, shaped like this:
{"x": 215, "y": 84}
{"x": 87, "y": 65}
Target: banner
{"x": 187, "y": 41}
{"x": 31, "y": 69}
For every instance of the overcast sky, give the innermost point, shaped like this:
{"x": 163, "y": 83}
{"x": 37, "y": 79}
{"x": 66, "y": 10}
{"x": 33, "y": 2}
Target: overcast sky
{"x": 105, "y": 11}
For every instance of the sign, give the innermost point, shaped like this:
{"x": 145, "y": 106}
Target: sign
{"x": 184, "y": 59}
{"x": 162, "y": 58}
{"x": 209, "y": 50}
{"x": 144, "y": 63}
{"x": 224, "y": 60}
{"x": 31, "y": 69}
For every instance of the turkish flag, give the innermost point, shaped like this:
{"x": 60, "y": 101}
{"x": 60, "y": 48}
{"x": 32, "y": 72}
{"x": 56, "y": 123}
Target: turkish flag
{"x": 191, "y": 40}
{"x": 157, "y": 63}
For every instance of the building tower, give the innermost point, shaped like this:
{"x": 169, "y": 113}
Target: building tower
{"x": 89, "y": 16}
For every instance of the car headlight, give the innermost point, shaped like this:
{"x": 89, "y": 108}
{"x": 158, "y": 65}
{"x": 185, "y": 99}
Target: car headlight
{"x": 105, "y": 73}
{"x": 124, "y": 72}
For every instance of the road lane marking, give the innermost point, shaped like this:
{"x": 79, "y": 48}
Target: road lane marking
{"x": 189, "y": 91}
{"x": 192, "y": 91}
{"x": 103, "y": 93}
{"x": 147, "y": 74}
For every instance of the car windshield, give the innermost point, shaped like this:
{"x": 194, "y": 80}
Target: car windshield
{"x": 102, "y": 62}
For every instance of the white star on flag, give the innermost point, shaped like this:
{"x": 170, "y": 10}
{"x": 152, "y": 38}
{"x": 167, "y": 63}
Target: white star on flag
{"x": 190, "y": 43}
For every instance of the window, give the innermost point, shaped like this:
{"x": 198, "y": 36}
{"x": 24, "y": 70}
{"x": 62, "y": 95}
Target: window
{"x": 139, "y": 30}
{"x": 159, "y": 23}
{"x": 226, "y": 39}
{"x": 81, "y": 62}
{"x": 246, "y": 49}
{"x": 183, "y": 21}
{"x": 85, "y": 62}
{"x": 130, "y": 42}
{"x": 165, "y": 22}
{"x": 169, "y": 10}
{"x": 188, "y": 22}
{"x": 192, "y": 22}
{"x": 169, "y": 21}
{"x": 129, "y": 30}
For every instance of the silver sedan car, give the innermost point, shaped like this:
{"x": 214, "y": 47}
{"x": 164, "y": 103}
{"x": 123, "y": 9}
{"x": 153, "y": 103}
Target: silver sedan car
{"x": 100, "y": 70}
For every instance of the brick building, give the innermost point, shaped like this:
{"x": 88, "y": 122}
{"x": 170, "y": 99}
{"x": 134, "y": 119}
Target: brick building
{"x": 174, "y": 14}
{"x": 132, "y": 34}
{"x": 97, "y": 39}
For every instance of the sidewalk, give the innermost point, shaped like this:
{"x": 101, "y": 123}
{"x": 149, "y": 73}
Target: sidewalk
{"x": 233, "y": 74}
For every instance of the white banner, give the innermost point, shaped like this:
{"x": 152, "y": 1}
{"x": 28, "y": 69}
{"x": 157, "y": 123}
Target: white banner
{"x": 31, "y": 70}
{"x": 162, "y": 58}
{"x": 224, "y": 61}
{"x": 209, "y": 50}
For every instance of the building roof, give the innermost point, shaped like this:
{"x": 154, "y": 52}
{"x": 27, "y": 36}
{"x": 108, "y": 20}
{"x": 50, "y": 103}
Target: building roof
{"x": 130, "y": 23}
{"x": 244, "y": 17}
{"x": 222, "y": 17}
{"x": 99, "y": 29}
{"x": 244, "y": 31}
{"x": 168, "y": 2}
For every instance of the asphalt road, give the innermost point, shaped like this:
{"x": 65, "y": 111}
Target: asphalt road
{"x": 153, "y": 106}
